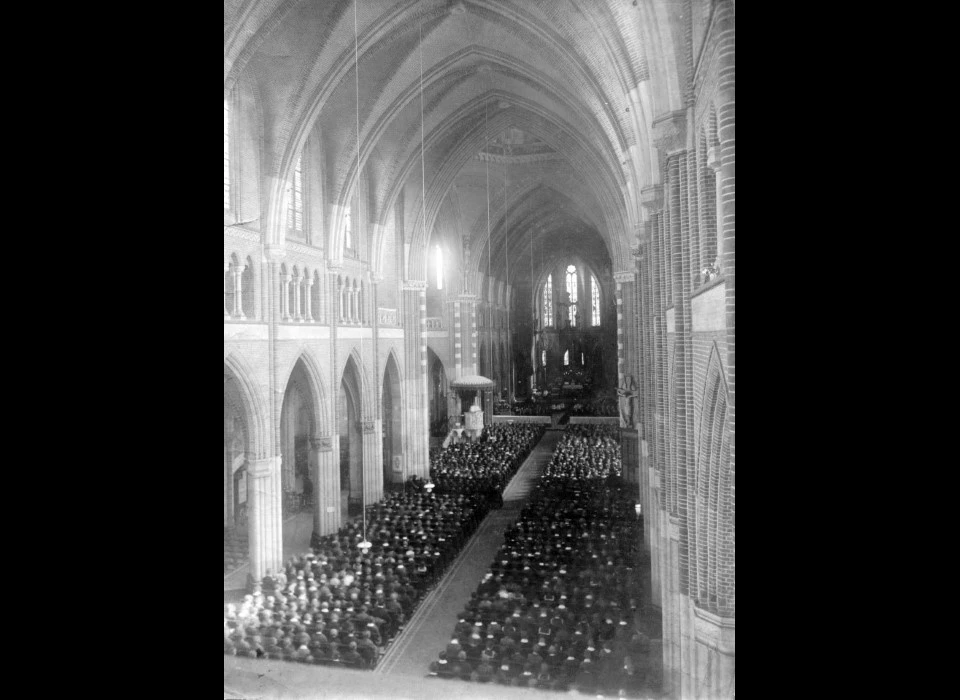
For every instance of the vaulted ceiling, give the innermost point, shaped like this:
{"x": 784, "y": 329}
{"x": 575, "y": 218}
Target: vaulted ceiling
{"x": 554, "y": 98}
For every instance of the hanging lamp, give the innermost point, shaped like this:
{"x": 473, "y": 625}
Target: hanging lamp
{"x": 430, "y": 486}
{"x": 365, "y": 546}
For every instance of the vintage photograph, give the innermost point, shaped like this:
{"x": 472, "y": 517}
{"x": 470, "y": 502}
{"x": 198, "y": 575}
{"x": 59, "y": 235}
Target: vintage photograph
{"x": 479, "y": 329}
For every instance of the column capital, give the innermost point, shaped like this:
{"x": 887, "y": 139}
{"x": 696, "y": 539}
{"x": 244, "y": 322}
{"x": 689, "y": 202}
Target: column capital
{"x": 653, "y": 198}
{"x": 264, "y": 468}
{"x": 275, "y": 253}
{"x": 414, "y": 286}
{"x": 670, "y": 132}
{"x": 714, "y": 159}
{"x": 625, "y": 277}
{"x": 369, "y": 427}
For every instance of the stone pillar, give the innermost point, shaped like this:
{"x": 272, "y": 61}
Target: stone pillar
{"x": 716, "y": 165}
{"x": 373, "y": 460}
{"x": 416, "y": 447}
{"x": 238, "y": 271}
{"x": 308, "y": 297}
{"x": 226, "y": 313}
{"x": 325, "y": 473}
{"x": 627, "y": 357}
{"x": 285, "y": 298}
{"x": 265, "y": 516}
{"x": 298, "y": 286}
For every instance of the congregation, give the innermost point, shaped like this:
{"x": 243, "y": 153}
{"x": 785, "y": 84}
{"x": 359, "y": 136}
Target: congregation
{"x": 341, "y": 606}
{"x": 559, "y": 606}
{"x": 486, "y": 466}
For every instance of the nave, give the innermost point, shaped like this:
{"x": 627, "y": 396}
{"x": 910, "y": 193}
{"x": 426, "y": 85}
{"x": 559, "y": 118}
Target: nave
{"x": 429, "y": 628}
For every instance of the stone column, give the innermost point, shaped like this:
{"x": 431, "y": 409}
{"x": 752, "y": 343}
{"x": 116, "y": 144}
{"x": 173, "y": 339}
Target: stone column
{"x": 372, "y": 460}
{"x": 285, "y": 297}
{"x": 265, "y": 516}
{"x": 325, "y": 473}
{"x": 308, "y": 297}
{"x": 238, "y": 271}
{"x": 416, "y": 447}
{"x": 716, "y": 165}
{"x": 297, "y": 291}
{"x": 226, "y": 313}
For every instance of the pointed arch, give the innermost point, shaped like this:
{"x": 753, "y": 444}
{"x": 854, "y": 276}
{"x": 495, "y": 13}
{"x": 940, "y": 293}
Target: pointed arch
{"x": 713, "y": 460}
{"x": 252, "y": 404}
{"x": 365, "y": 388}
{"x": 318, "y": 391}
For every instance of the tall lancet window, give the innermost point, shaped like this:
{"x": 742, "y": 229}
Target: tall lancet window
{"x": 439, "y": 268}
{"x": 573, "y": 288}
{"x": 227, "y": 179}
{"x": 548, "y": 319}
{"x": 295, "y": 197}
{"x": 348, "y": 231}
{"x": 566, "y": 359}
{"x": 596, "y": 301}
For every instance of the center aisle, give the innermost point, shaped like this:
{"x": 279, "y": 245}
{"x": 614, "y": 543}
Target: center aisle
{"x": 431, "y": 628}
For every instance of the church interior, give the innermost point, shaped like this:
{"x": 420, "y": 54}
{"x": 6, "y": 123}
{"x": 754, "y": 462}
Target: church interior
{"x": 479, "y": 348}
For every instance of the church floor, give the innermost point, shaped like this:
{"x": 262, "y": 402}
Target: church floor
{"x": 404, "y": 671}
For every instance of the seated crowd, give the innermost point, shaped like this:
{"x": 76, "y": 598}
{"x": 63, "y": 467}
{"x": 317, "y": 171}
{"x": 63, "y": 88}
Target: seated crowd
{"x": 558, "y": 607}
{"x": 487, "y": 466}
{"x": 587, "y": 453}
{"x": 339, "y": 606}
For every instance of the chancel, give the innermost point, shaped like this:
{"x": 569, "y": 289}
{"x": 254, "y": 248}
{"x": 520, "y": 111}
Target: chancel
{"x": 479, "y": 314}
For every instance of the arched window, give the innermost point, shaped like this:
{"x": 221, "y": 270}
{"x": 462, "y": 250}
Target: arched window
{"x": 295, "y": 199}
{"x": 348, "y": 231}
{"x": 548, "y": 303}
{"x": 573, "y": 287}
{"x": 566, "y": 359}
{"x": 595, "y": 285}
{"x": 227, "y": 179}
{"x": 543, "y": 358}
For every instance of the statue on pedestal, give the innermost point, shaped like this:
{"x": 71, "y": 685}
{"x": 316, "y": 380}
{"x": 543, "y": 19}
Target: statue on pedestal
{"x": 628, "y": 395}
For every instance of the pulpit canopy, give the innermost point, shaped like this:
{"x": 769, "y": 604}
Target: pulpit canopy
{"x": 473, "y": 384}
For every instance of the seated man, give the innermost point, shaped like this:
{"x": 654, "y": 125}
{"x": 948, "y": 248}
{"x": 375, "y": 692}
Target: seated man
{"x": 351, "y": 657}
{"x": 440, "y": 663}
{"x": 484, "y": 672}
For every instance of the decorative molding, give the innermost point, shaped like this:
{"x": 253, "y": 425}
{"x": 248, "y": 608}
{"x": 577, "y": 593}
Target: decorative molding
{"x": 414, "y": 286}
{"x": 625, "y": 277}
{"x": 520, "y": 160}
{"x": 242, "y": 234}
{"x": 369, "y": 427}
{"x": 305, "y": 250}
{"x": 435, "y": 324}
{"x": 388, "y": 317}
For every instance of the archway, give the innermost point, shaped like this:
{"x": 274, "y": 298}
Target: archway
{"x": 439, "y": 423}
{"x": 236, "y": 442}
{"x": 392, "y": 426}
{"x": 349, "y": 407}
{"x": 297, "y": 429}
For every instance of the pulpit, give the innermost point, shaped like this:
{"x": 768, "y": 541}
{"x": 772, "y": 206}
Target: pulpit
{"x": 478, "y": 392}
